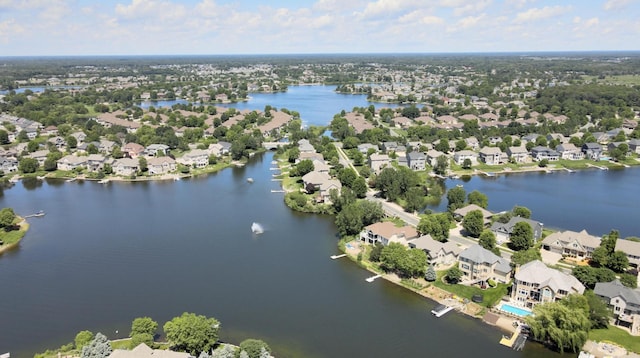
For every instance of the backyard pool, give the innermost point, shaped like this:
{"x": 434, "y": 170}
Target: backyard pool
{"x": 514, "y": 310}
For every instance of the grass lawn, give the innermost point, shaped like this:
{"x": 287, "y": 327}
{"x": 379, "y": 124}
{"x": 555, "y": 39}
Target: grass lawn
{"x": 12, "y": 237}
{"x": 491, "y": 295}
{"x": 616, "y": 335}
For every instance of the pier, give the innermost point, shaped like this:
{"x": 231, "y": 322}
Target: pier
{"x": 372, "y": 278}
{"x": 516, "y": 341}
{"x": 595, "y": 166}
{"x": 441, "y": 310}
{"x": 277, "y": 191}
{"x": 333, "y": 257}
{"x": 36, "y": 215}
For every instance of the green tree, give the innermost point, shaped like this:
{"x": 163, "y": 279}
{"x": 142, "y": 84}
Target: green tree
{"x": 347, "y": 176}
{"x": 436, "y": 225}
{"x": 254, "y": 348}
{"x": 478, "y": 198}
{"x": 522, "y": 212}
{"x": 92, "y": 149}
{"x": 293, "y": 154}
{"x": 442, "y": 163}
{"x": 599, "y": 256}
{"x": 7, "y": 217}
{"x": 359, "y": 187}
{"x": 72, "y": 142}
{"x": 453, "y": 275}
{"x": 406, "y": 262}
{"x": 4, "y": 137}
{"x": 28, "y": 165}
{"x": 304, "y": 167}
{"x": 455, "y": 198}
{"x": 522, "y": 236}
{"x": 520, "y": 258}
{"x": 589, "y": 276}
{"x": 430, "y": 275}
{"x": 473, "y": 223}
{"x": 142, "y": 164}
{"x": 82, "y": 339}
{"x": 599, "y": 313}
{"x": 466, "y": 164}
{"x": 414, "y": 198}
{"x": 143, "y": 325}
{"x": 192, "y": 333}
{"x": 629, "y": 280}
{"x": 139, "y": 338}
{"x": 487, "y": 240}
{"x": 559, "y": 325}
{"x": 50, "y": 164}
{"x": 376, "y": 250}
{"x": 99, "y": 347}
{"x": 617, "y": 261}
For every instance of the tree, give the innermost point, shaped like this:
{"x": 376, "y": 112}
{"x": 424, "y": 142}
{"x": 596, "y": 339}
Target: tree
{"x": 559, "y": 325}
{"x": 442, "y": 163}
{"x": 354, "y": 216}
{"x": 522, "y": 236}
{"x": 82, "y": 339}
{"x": 488, "y": 241}
{"x": 72, "y": 142}
{"x": 629, "y": 280}
{"x": 520, "y": 258}
{"x": 142, "y": 164}
{"x": 455, "y": 198}
{"x": 99, "y": 347}
{"x": 617, "y": 261}
{"x": 473, "y": 223}
{"x": 359, "y": 187}
{"x": 143, "y": 325}
{"x": 406, "y": 262}
{"x": 50, "y": 164}
{"x": 599, "y": 313}
{"x": 224, "y": 351}
{"x": 92, "y": 149}
{"x": 478, "y": 198}
{"x": 304, "y": 167}
{"x": 430, "y": 275}
{"x": 415, "y": 199}
{"x": 347, "y": 176}
{"x": 7, "y": 217}
{"x": 139, "y": 338}
{"x": 254, "y": 347}
{"x": 376, "y": 250}
{"x": 599, "y": 256}
{"x": 192, "y": 333}
{"x": 4, "y": 137}
{"x": 453, "y": 275}
{"x": 466, "y": 163}
{"x": 28, "y": 165}
{"x": 293, "y": 154}
{"x": 589, "y": 276}
{"x": 436, "y": 225}
{"x": 522, "y": 212}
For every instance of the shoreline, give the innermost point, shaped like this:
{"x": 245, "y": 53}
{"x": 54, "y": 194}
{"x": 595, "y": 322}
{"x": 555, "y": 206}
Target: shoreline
{"x": 24, "y": 227}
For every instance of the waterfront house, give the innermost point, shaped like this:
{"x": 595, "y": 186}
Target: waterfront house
{"x": 569, "y": 151}
{"x": 578, "y": 245}
{"x": 156, "y": 150}
{"x": 57, "y": 141}
{"x": 438, "y": 253}
{"x": 304, "y": 146}
{"x": 432, "y": 157}
{"x": 377, "y": 162}
{"x": 79, "y": 136}
{"x": 479, "y": 265}
{"x": 631, "y": 249}
{"x": 634, "y": 146}
{"x": 416, "y": 160}
{"x": 197, "y": 158}
{"x": 491, "y": 155}
{"x": 278, "y": 121}
{"x": 536, "y": 283}
{"x": 133, "y": 150}
{"x": 143, "y": 351}
{"x": 503, "y": 231}
{"x": 460, "y": 213}
{"x": 530, "y": 138}
{"x": 615, "y": 145}
{"x": 125, "y": 166}
{"x": 320, "y": 166}
{"x": 623, "y": 301}
{"x": 387, "y": 232}
{"x": 389, "y": 147}
{"x": 71, "y": 162}
{"x": 40, "y": 156}
{"x": 161, "y": 165}
{"x": 518, "y": 154}
{"x": 95, "y": 162}
{"x": 324, "y": 193}
{"x": 313, "y": 180}
{"x": 8, "y": 164}
{"x": 106, "y": 146}
{"x": 459, "y": 157}
{"x": 541, "y": 153}
{"x": 592, "y": 151}
{"x": 472, "y": 143}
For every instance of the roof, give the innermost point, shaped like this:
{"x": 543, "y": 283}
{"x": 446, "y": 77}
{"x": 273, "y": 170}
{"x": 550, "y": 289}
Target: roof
{"x": 387, "y": 229}
{"x": 490, "y": 151}
{"x": 508, "y": 227}
{"x": 471, "y": 207}
{"x": 142, "y": 351}
{"x": 538, "y": 273}
{"x": 478, "y": 254}
{"x": 562, "y": 238}
{"x": 427, "y": 243}
{"x": 628, "y": 247}
{"x": 616, "y": 289}
{"x": 316, "y": 178}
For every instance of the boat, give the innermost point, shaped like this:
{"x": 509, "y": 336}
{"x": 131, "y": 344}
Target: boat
{"x": 257, "y": 228}
{"x": 70, "y": 180}
{"x": 441, "y": 310}
{"x": 249, "y": 180}
{"x": 103, "y": 181}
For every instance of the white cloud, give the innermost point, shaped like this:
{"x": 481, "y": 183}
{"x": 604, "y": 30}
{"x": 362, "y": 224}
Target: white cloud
{"x": 8, "y": 29}
{"x": 546, "y": 12}
{"x": 467, "y": 22}
{"x": 472, "y": 8}
{"x": 156, "y": 10}
{"x": 616, "y": 4}
{"x": 388, "y": 7}
{"x": 420, "y": 17}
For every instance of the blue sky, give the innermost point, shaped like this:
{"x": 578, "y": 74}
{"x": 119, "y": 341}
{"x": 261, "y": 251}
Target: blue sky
{"x": 147, "y": 27}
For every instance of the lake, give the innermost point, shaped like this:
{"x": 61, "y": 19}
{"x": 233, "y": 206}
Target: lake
{"x": 316, "y": 104}
{"x": 105, "y": 254}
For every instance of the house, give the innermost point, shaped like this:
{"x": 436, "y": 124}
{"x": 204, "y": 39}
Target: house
{"x": 156, "y": 149}
{"x": 305, "y": 147}
{"x": 387, "y": 232}
{"x": 569, "y": 151}
{"x": 106, "y": 146}
{"x": 459, "y": 157}
{"x": 133, "y": 150}
{"x": 388, "y": 147}
{"x": 541, "y": 153}
{"x": 95, "y": 162}
{"x": 125, "y": 166}
{"x": 623, "y": 301}
{"x": 530, "y": 138}
{"x": 433, "y": 155}
{"x": 518, "y": 154}
{"x": 365, "y": 147}
{"x": 491, "y": 155}
{"x": 324, "y": 193}
{"x": 479, "y": 265}
{"x": 377, "y": 162}
{"x": 578, "y": 245}
{"x": 57, "y": 141}
{"x": 438, "y": 253}
{"x": 631, "y": 249}
{"x": 472, "y": 143}
{"x": 592, "y": 151}
{"x": 320, "y": 166}
{"x": 459, "y": 214}
{"x": 71, "y": 162}
{"x": 161, "y": 165}
{"x": 197, "y": 158}
{"x": 79, "y": 136}
{"x": 634, "y": 146}
{"x": 536, "y": 283}
{"x": 416, "y": 160}
{"x": 40, "y": 156}
{"x": 8, "y": 164}
{"x": 503, "y": 231}
{"x": 313, "y": 180}
{"x": 615, "y": 145}
{"x": 143, "y": 351}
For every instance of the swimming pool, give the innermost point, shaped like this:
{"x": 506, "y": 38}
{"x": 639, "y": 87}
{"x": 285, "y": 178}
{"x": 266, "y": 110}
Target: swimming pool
{"x": 514, "y": 310}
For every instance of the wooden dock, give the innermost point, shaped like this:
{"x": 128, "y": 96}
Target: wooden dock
{"x": 39, "y": 214}
{"x": 516, "y": 341}
{"x": 372, "y": 278}
{"x": 333, "y": 257}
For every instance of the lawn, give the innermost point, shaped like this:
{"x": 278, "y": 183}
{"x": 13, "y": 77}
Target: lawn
{"x": 616, "y": 335}
{"x": 11, "y": 237}
{"x": 491, "y": 295}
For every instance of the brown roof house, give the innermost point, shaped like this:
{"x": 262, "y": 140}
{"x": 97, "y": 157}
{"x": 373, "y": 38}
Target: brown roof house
{"x": 387, "y": 232}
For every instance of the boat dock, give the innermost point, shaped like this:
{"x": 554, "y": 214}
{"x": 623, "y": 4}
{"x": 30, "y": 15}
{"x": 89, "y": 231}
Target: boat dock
{"x": 372, "y": 278}
{"x": 36, "y": 215}
{"x": 595, "y": 166}
{"x": 277, "y": 191}
{"x": 516, "y": 341}
{"x": 441, "y": 310}
{"x": 333, "y": 257}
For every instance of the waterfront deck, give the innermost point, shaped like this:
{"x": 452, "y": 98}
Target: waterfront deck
{"x": 441, "y": 310}
{"x": 516, "y": 341}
